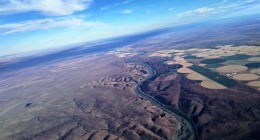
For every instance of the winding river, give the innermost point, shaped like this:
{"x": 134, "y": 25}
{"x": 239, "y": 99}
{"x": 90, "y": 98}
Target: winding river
{"x": 187, "y": 129}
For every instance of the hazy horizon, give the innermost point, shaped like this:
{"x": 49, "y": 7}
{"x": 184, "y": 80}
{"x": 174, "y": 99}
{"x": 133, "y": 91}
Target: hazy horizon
{"x": 54, "y": 25}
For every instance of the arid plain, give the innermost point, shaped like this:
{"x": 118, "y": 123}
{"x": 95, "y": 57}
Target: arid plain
{"x": 92, "y": 105}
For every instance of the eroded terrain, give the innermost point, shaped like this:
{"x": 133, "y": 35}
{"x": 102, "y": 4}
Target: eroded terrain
{"x": 97, "y": 103}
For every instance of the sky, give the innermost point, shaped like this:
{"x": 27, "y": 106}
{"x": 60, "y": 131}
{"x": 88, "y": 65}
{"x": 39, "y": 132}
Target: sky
{"x": 37, "y": 25}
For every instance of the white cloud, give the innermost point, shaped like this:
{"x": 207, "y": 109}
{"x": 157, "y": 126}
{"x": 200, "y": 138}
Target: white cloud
{"x": 219, "y": 9}
{"x": 127, "y": 11}
{"x": 115, "y": 4}
{"x": 228, "y": 6}
{"x": 47, "y": 7}
{"x": 185, "y": 14}
{"x": 203, "y": 10}
{"x": 48, "y": 24}
{"x": 122, "y": 3}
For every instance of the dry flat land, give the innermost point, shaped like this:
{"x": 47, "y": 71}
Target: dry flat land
{"x": 84, "y": 98}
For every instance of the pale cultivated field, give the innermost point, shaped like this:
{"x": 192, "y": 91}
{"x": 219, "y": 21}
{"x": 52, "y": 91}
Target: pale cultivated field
{"x": 167, "y": 53}
{"x": 254, "y": 83}
{"x": 196, "y": 76}
{"x": 232, "y": 68}
{"x": 185, "y": 70}
{"x": 179, "y": 59}
{"x": 209, "y": 56}
{"x": 185, "y": 64}
{"x": 220, "y": 51}
{"x": 236, "y": 62}
{"x": 206, "y": 82}
{"x": 255, "y": 71}
{"x": 255, "y": 59}
{"x": 178, "y": 54}
{"x": 246, "y": 77}
{"x": 212, "y": 85}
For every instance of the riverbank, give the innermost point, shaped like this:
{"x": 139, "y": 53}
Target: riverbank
{"x": 187, "y": 128}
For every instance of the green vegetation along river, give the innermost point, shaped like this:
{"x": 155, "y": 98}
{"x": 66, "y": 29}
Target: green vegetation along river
{"x": 187, "y": 129}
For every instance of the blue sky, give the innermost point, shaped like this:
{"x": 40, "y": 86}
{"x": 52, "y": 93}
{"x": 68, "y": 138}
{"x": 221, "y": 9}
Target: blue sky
{"x": 36, "y": 25}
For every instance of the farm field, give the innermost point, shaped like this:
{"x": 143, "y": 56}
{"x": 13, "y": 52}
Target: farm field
{"x": 222, "y": 66}
{"x": 208, "y": 85}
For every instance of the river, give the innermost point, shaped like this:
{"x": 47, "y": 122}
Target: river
{"x": 187, "y": 129}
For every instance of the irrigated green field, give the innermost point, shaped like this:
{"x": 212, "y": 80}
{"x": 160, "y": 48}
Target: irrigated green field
{"x": 238, "y": 57}
{"x": 214, "y": 76}
{"x": 253, "y": 65}
{"x": 213, "y": 65}
{"x": 213, "y": 61}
